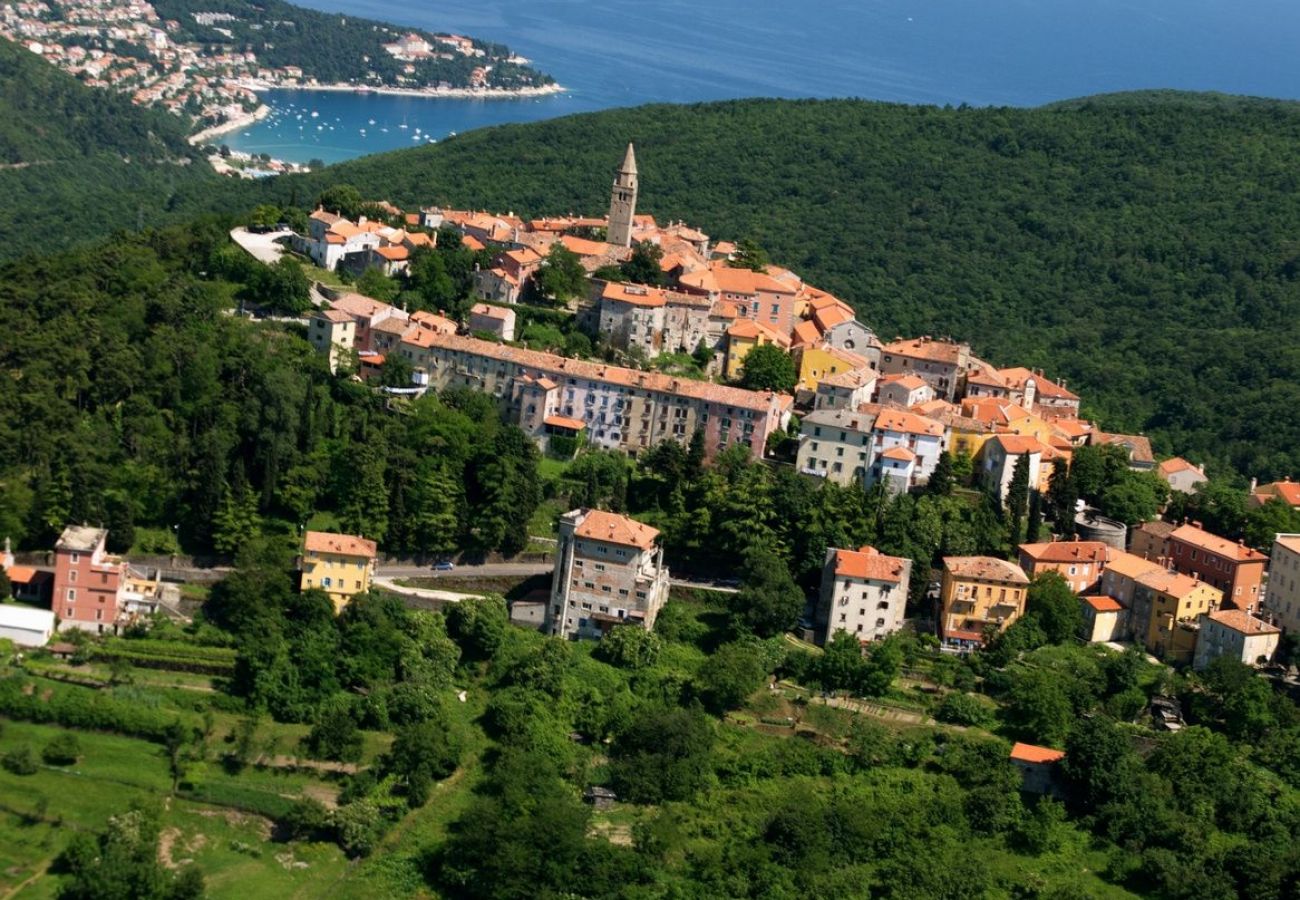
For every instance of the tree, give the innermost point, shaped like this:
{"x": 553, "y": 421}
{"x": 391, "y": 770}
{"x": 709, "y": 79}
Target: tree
{"x": 768, "y": 368}
{"x": 630, "y": 647}
{"x": 1056, "y": 607}
{"x": 941, "y": 479}
{"x": 176, "y": 741}
{"x": 478, "y": 625}
{"x": 665, "y": 754}
{"x": 341, "y": 199}
{"x": 1018, "y": 497}
{"x": 374, "y": 283}
{"x": 561, "y": 276}
{"x": 425, "y": 752}
{"x": 264, "y": 217}
{"x": 643, "y": 266}
{"x": 335, "y": 735}
{"x": 20, "y": 761}
{"x": 749, "y": 255}
{"x": 730, "y": 674}
{"x": 62, "y": 750}
{"x": 121, "y": 863}
{"x": 396, "y": 372}
{"x": 1062, "y": 498}
{"x": 768, "y": 602}
{"x": 883, "y": 665}
{"x": 1134, "y": 497}
{"x": 1034, "y": 527}
{"x": 841, "y": 665}
{"x": 1038, "y": 708}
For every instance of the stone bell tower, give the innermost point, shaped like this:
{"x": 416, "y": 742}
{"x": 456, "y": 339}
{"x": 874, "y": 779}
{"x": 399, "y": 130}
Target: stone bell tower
{"x": 622, "y": 203}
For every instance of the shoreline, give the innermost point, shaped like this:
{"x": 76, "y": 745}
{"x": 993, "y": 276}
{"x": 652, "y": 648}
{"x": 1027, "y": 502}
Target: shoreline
{"x": 233, "y": 124}
{"x": 431, "y": 93}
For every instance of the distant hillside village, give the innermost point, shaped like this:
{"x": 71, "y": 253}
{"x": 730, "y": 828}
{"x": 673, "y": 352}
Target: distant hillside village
{"x": 855, "y": 409}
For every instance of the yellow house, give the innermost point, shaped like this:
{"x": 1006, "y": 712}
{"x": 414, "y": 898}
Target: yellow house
{"x": 1166, "y": 607}
{"x": 341, "y": 565}
{"x": 744, "y": 336}
{"x": 816, "y": 363}
{"x": 979, "y": 592}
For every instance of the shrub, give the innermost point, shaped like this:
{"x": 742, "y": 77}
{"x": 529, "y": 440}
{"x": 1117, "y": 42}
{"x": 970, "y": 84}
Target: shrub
{"x": 63, "y": 750}
{"x": 20, "y": 761}
{"x": 963, "y": 709}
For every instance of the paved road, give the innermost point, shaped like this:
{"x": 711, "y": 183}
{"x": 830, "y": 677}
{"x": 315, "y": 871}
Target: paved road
{"x": 435, "y": 598}
{"x": 261, "y": 247}
{"x": 487, "y": 570}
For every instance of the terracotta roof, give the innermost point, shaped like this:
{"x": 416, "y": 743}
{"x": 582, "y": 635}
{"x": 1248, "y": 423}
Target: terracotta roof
{"x": 419, "y": 239}
{"x": 332, "y": 315}
{"x": 558, "y": 366}
{"x": 986, "y": 568}
{"x": 392, "y": 326}
{"x": 1032, "y": 753}
{"x": 993, "y": 411}
{"x": 488, "y": 311}
{"x": 362, "y": 306}
{"x": 927, "y": 348}
{"x": 473, "y": 243}
{"x": 1202, "y": 539}
{"x": 907, "y": 423}
{"x": 1130, "y": 565}
{"x": 1067, "y": 551}
{"x": 343, "y": 544}
{"x": 1172, "y": 583}
{"x": 395, "y": 253}
{"x": 806, "y": 333}
{"x": 634, "y": 294}
{"x": 1103, "y": 603}
{"x": 752, "y": 329}
{"x": 1288, "y": 491}
{"x": 900, "y": 454}
{"x": 1017, "y": 376}
{"x": 870, "y": 564}
{"x": 563, "y": 421}
{"x": 906, "y": 382}
{"x": 21, "y": 574}
{"x": 831, "y": 316}
{"x": 1289, "y": 541}
{"x": 433, "y": 321}
{"x": 606, "y": 526}
{"x": 1138, "y": 446}
{"x": 850, "y": 378}
{"x": 1016, "y": 444}
{"x": 722, "y": 278}
{"x": 1242, "y": 622}
{"x": 584, "y": 247}
{"x": 1177, "y": 464}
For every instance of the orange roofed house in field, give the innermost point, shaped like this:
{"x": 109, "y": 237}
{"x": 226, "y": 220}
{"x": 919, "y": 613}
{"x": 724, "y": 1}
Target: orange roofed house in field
{"x": 609, "y": 570}
{"x": 863, "y": 592}
{"x": 1037, "y": 767}
{"x": 341, "y": 565}
{"x": 978, "y": 594}
{"x": 1230, "y": 566}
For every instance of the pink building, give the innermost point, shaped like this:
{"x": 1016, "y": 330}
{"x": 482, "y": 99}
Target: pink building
{"x": 88, "y": 581}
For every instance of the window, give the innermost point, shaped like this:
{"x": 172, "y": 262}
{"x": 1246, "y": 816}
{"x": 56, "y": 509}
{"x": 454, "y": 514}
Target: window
{"x": 72, "y": 594}
{"x": 72, "y": 576}
{"x": 76, "y": 558}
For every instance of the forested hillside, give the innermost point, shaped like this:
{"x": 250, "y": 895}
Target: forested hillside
{"x": 1144, "y": 248}
{"x": 77, "y": 163}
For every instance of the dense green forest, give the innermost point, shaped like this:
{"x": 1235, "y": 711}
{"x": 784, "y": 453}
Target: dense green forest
{"x": 334, "y": 48}
{"x": 77, "y": 163}
{"x": 1143, "y": 248}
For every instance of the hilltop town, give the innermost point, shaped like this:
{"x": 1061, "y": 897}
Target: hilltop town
{"x": 208, "y": 65}
{"x": 604, "y": 531}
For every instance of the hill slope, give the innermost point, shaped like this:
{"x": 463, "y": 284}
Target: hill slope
{"x": 77, "y": 162}
{"x": 1145, "y": 248}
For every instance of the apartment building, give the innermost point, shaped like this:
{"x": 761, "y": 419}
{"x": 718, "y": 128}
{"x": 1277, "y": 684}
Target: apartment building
{"x": 1230, "y": 566}
{"x": 341, "y": 565}
{"x": 979, "y": 593}
{"x": 863, "y": 592}
{"x": 88, "y": 580}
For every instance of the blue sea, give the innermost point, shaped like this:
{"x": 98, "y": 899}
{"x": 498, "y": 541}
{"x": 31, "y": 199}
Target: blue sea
{"x": 612, "y": 53}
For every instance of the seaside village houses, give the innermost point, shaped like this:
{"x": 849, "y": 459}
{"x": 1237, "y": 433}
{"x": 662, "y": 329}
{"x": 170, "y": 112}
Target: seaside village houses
{"x": 870, "y": 413}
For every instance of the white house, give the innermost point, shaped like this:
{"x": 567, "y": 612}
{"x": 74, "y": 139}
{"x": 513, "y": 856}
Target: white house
{"x": 26, "y": 626}
{"x": 863, "y": 592}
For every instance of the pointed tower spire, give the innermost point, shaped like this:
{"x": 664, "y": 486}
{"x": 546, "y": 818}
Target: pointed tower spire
{"x": 622, "y": 203}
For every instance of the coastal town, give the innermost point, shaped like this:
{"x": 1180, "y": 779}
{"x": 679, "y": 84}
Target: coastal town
{"x": 197, "y": 65}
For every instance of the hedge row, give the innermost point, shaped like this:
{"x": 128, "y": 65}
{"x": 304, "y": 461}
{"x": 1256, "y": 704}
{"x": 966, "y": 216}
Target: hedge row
{"x": 273, "y": 806}
{"x": 174, "y": 649}
{"x": 75, "y": 707}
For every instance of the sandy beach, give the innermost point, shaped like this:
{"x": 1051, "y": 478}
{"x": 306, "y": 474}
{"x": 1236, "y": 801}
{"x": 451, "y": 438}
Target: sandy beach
{"x": 233, "y": 124}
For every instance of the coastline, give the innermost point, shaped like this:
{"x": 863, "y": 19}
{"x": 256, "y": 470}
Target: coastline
{"x": 432, "y": 93}
{"x": 232, "y": 124}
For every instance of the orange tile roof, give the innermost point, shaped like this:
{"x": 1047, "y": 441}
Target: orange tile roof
{"x": 564, "y": 422}
{"x": 1172, "y": 583}
{"x": 1175, "y": 465}
{"x": 870, "y": 564}
{"x": 21, "y": 574}
{"x": 561, "y": 367}
{"x": 634, "y": 294}
{"x": 1289, "y": 541}
{"x": 1016, "y": 444}
{"x": 361, "y": 306}
{"x": 830, "y": 316}
{"x": 1288, "y": 491}
{"x": 722, "y": 278}
{"x": 606, "y": 526}
{"x": 906, "y": 423}
{"x": 993, "y": 411}
{"x": 906, "y": 382}
{"x": 849, "y": 378}
{"x": 1130, "y": 565}
{"x": 1241, "y": 621}
{"x": 986, "y": 568}
{"x": 1138, "y": 446}
{"x": 433, "y": 321}
{"x": 487, "y": 311}
{"x": 901, "y": 454}
{"x": 472, "y": 242}
{"x": 925, "y": 348}
{"x": 332, "y": 315}
{"x": 1067, "y": 551}
{"x": 752, "y": 330}
{"x": 343, "y": 544}
{"x": 806, "y": 333}
{"x": 584, "y": 247}
{"x": 1032, "y": 753}
{"x": 1044, "y": 387}
{"x": 1204, "y": 540}
{"x": 419, "y": 239}
{"x": 1102, "y": 603}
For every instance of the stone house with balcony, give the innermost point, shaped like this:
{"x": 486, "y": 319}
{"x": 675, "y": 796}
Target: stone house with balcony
{"x": 979, "y": 594}
{"x": 863, "y": 592}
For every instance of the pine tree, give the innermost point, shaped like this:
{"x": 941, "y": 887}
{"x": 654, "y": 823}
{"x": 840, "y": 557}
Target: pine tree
{"x": 941, "y": 479}
{"x": 1034, "y": 528}
{"x": 1018, "y": 497}
{"x": 1062, "y": 497}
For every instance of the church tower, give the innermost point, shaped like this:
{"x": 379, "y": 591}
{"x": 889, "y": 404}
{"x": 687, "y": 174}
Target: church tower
{"x": 622, "y": 204}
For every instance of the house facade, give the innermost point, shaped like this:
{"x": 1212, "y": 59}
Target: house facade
{"x": 1283, "y": 602}
{"x": 1237, "y": 635}
{"x": 863, "y": 592}
{"x": 609, "y": 570}
{"x": 498, "y": 321}
{"x": 943, "y": 364}
{"x": 978, "y": 594}
{"x": 1080, "y": 563}
{"x": 88, "y": 580}
{"x": 341, "y": 565}
{"x": 1230, "y": 566}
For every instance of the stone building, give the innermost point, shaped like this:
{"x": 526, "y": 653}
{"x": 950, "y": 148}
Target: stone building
{"x": 622, "y": 202}
{"x": 609, "y": 570}
{"x": 863, "y": 592}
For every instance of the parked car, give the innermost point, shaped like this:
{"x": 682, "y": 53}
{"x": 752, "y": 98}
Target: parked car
{"x": 445, "y": 565}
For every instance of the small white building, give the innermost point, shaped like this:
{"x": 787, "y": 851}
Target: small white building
{"x": 495, "y": 320}
{"x": 1104, "y": 619}
{"x": 26, "y": 626}
{"x": 1235, "y": 633}
{"x": 334, "y": 333}
{"x": 1001, "y": 454}
{"x": 863, "y": 592}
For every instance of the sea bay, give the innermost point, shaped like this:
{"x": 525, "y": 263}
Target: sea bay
{"x": 630, "y": 52}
